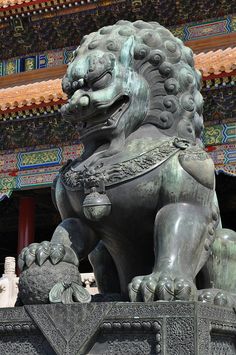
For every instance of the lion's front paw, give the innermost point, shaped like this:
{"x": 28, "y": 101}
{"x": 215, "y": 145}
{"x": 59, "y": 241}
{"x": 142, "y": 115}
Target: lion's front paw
{"x": 217, "y": 297}
{"x": 161, "y": 286}
{"x": 40, "y": 252}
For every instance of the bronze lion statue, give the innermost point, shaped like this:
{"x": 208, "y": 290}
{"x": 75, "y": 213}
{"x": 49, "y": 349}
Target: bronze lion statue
{"x": 141, "y": 201}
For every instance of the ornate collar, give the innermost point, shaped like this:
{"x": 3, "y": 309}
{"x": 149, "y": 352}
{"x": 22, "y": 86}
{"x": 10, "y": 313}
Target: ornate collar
{"x": 102, "y": 176}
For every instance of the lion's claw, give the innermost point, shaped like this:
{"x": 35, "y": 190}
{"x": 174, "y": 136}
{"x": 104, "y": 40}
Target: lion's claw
{"x": 148, "y": 291}
{"x": 165, "y": 288}
{"x": 57, "y": 252}
{"x": 21, "y": 259}
{"x": 39, "y": 253}
{"x": 217, "y": 297}
{"x": 43, "y": 252}
{"x": 161, "y": 287}
{"x": 134, "y": 288}
{"x": 184, "y": 289}
{"x": 29, "y": 254}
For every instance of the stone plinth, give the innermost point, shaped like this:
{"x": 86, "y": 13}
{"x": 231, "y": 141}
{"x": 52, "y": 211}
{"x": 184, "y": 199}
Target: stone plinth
{"x": 118, "y": 328}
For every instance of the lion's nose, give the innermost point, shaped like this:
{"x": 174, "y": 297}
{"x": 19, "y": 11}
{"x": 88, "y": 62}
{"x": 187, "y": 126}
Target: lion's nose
{"x": 92, "y": 67}
{"x": 84, "y": 101}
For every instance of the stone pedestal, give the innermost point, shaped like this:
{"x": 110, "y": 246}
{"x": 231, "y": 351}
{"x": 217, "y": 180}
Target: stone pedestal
{"x": 174, "y": 328}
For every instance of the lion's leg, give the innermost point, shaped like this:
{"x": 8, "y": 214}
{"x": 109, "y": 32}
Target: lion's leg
{"x": 71, "y": 241}
{"x": 104, "y": 270}
{"x": 72, "y": 232}
{"x": 179, "y": 236}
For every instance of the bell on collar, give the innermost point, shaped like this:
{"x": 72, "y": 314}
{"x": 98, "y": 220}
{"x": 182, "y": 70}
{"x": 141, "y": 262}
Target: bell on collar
{"x": 96, "y": 205}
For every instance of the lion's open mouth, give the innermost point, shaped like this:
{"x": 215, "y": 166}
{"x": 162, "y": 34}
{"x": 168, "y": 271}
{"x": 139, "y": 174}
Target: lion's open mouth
{"x": 105, "y": 118}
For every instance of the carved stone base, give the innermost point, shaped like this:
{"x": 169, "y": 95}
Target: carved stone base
{"x": 174, "y": 328}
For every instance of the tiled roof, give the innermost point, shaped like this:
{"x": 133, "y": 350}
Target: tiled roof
{"x": 6, "y": 3}
{"x": 50, "y": 91}
{"x": 216, "y": 62}
{"x": 31, "y": 94}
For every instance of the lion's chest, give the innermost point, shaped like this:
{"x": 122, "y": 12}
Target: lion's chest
{"x": 133, "y": 203}
{"x": 131, "y": 180}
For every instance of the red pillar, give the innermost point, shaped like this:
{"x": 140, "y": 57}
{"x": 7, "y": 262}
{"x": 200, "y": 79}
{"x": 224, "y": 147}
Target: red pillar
{"x": 26, "y": 228}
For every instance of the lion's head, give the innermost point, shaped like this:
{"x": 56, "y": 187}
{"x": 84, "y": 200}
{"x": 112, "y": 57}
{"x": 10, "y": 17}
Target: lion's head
{"x": 130, "y": 74}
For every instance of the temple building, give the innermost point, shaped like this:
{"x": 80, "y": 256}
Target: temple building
{"x": 37, "y": 40}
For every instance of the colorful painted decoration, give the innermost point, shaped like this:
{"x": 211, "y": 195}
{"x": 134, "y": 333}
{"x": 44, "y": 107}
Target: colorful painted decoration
{"x": 38, "y": 61}
{"x": 40, "y": 158}
{"x": 220, "y": 134}
{"x": 207, "y": 29}
{"x": 33, "y": 168}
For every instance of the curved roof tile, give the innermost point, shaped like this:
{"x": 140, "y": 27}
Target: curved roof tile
{"x": 30, "y": 94}
{"x": 216, "y": 62}
{"x": 7, "y": 3}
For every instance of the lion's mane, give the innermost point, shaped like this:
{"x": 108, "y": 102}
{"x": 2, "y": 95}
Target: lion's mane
{"x": 175, "y": 103}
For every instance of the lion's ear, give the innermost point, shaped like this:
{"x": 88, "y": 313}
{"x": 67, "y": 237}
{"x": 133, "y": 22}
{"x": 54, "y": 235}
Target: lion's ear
{"x": 127, "y": 53}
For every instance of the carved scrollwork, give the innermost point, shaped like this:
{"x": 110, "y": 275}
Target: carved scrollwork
{"x": 141, "y": 51}
{"x": 172, "y": 86}
{"x": 187, "y": 102}
{"x": 166, "y": 69}
{"x": 165, "y": 120}
{"x": 132, "y": 337}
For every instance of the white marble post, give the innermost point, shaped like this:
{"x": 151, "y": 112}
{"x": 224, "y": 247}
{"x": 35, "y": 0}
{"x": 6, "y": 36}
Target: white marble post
{"x": 8, "y": 283}
{"x": 89, "y": 281}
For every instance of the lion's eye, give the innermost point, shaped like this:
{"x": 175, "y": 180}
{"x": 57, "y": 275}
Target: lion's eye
{"x": 102, "y": 82}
